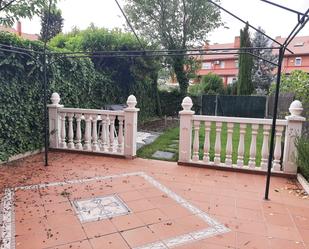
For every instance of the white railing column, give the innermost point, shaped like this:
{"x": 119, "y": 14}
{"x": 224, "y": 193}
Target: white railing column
{"x": 252, "y": 156}
{"x": 95, "y": 146}
{"x": 79, "y": 145}
{"x": 207, "y": 142}
{"x": 196, "y": 141}
{"x": 229, "y": 144}
{"x": 112, "y": 134}
{"x": 130, "y": 132}
{"x": 265, "y": 147}
{"x": 241, "y": 145}
{"x": 70, "y": 133}
{"x": 63, "y": 143}
{"x": 120, "y": 135}
{"x": 217, "y": 158}
{"x": 185, "y": 132}
{"x": 87, "y": 137}
{"x": 278, "y": 150}
{"x": 293, "y": 130}
{"x": 54, "y": 121}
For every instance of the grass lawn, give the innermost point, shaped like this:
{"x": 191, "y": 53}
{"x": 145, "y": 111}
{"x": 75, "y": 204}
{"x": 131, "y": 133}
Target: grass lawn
{"x": 168, "y": 141}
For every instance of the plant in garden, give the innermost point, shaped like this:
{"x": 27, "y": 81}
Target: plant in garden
{"x": 302, "y": 146}
{"x": 12, "y": 10}
{"x": 174, "y": 24}
{"x": 51, "y": 23}
{"x": 262, "y": 71}
{"x": 210, "y": 84}
{"x": 298, "y": 83}
{"x": 244, "y": 83}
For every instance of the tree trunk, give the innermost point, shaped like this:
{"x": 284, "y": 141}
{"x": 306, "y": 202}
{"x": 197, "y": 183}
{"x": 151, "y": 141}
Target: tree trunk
{"x": 182, "y": 78}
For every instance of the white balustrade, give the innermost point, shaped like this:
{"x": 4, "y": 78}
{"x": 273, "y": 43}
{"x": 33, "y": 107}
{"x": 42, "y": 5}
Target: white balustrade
{"x": 94, "y": 130}
{"x": 260, "y": 128}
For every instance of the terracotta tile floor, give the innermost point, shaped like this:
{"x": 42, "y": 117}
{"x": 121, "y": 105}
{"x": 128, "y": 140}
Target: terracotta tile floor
{"x": 165, "y": 204}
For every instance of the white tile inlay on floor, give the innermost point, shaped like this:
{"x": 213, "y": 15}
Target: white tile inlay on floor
{"x": 100, "y": 208}
{"x": 112, "y": 205}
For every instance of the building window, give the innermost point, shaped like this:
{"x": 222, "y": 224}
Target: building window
{"x": 236, "y": 63}
{"x": 231, "y": 80}
{"x": 222, "y": 64}
{"x": 206, "y": 65}
{"x": 298, "y": 61}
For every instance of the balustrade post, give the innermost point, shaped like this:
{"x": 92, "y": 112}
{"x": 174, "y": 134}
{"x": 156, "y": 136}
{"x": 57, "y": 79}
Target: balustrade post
{"x": 207, "y": 142}
{"x": 120, "y": 135}
{"x": 241, "y": 145}
{"x": 54, "y": 121}
{"x": 252, "y": 157}
{"x": 87, "y": 137}
{"x": 70, "y": 133}
{"x": 95, "y": 146}
{"x": 265, "y": 147}
{"x": 229, "y": 144}
{"x": 130, "y": 132}
{"x": 79, "y": 145}
{"x": 196, "y": 141}
{"x": 217, "y": 158}
{"x": 185, "y": 132}
{"x": 293, "y": 130}
{"x": 278, "y": 150}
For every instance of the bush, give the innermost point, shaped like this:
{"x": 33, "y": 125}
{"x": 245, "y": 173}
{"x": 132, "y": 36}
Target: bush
{"x": 81, "y": 82}
{"x": 302, "y": 145}
{"x": 210, "y": 84}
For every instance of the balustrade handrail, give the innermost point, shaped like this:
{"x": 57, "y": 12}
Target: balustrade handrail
{"x": 91, "y": 111}
{"x": 280, "y": 122}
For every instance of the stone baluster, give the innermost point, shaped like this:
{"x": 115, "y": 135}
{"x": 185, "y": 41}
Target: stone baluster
{"x": 63, "y": 143}
{"x": 278, "y": 150}
{"x": 103, "y": 133}
{"x": 252, "y": 157}
{"x": 185, "y": 132}
{"x": 54, "y": 121}
{"x": 87, "y": 137}
{"x": 217, "y": 158}
{"x": 265, "y": 147}
{"x": 78, "y": 145}
{"x": 196, "y": 140}
{"x": 130, "y": 130}
{"x": 107, "y": 130}
{"x": 207, "y": 142}
{"x": 241, "y": 145}
{"x": 120, "y": 134}
{"x": 229, "y": 144}
{"x": 95, "y": 146}
{"x": 71, "y": 132}
{"x": 112, "y": 134}
{"x": 293, "y": 131}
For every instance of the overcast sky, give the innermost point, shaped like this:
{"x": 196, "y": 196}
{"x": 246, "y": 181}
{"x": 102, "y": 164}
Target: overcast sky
{"x": 105, "y": 13}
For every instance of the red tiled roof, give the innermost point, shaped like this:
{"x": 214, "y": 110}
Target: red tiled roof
{"x": 300, "y": 45}
{"x": 32, "y": 37}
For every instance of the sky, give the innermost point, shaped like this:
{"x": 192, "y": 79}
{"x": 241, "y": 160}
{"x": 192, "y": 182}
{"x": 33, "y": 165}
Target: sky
{"x": 105, "y": 13}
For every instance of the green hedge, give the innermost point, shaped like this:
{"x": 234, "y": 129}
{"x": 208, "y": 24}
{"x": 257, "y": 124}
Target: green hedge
{"x": 302, "y": 146}
{"x": 79, "y": 82}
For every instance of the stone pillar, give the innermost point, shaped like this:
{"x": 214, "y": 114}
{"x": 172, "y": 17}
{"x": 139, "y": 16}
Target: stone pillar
{"x": 54, "y": 121}
{"x": 130, "y": 132}
{"x": 293, "y": 130}
{"x": 185, "y": 132}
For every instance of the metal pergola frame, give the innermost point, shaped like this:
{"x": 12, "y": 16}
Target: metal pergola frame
{"x": 302, "y": 19}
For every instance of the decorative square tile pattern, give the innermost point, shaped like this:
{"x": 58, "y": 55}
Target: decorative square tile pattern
{"x": 100, "y": 208}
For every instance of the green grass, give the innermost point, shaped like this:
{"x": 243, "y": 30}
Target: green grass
{"x": 168, "y": 138}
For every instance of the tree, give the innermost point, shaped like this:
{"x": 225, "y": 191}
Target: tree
{"x": 262, "y": 72}
{"x": 210, "y": 84}
{"x": 12, "y": 10}
{"x": 51, "y": 23}
{"x": 174, "y": 24}
{"x": 245, "y": 86}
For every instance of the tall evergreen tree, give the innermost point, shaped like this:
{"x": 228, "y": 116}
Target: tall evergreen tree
{"x": 262, "y": 72}
{"x": 244, "y": 83}
{"x": 55, "y": 23}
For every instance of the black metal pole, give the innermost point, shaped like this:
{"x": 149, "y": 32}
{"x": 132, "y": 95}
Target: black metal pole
{"x": 46, "y": 135}
{"x": 273, "y": 129}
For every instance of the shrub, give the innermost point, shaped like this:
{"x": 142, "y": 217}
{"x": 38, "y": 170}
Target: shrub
{"x": 210, "y": 84}
{"x": 302, "y": 145}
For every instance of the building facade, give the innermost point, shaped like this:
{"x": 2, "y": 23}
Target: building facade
{"x": 226, "y": 65}
{"x": 18, "y": 31}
